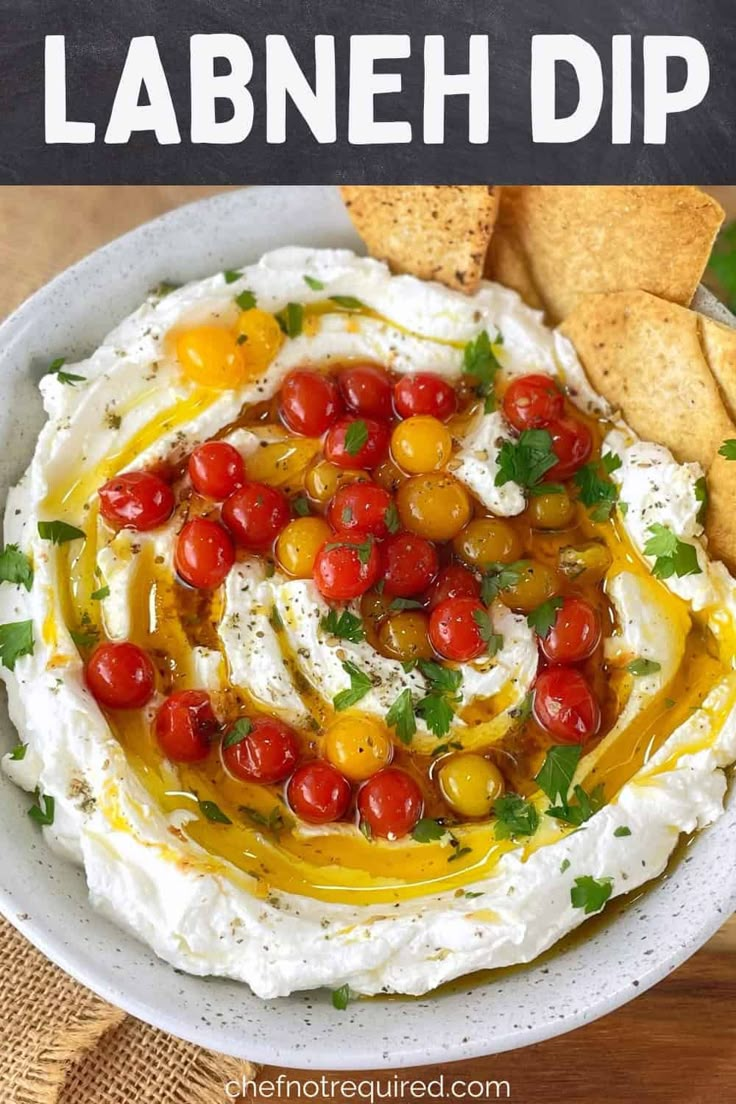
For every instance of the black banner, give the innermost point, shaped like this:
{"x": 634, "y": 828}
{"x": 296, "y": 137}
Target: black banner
{"x": 386, "y": 91}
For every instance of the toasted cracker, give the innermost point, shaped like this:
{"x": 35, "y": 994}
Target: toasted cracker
{"x": 720, "y": 518}
{"x": 436, "y": 232}
{"x": 719, "y": 345}
{"x": 646, "y": 356}
{"x": 560, "y": 243}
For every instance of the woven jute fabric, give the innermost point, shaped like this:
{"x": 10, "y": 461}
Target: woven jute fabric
{"x": 60, "y": 1044}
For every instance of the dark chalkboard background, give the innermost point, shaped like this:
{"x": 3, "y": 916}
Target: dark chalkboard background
{"x": 700, "y": 147}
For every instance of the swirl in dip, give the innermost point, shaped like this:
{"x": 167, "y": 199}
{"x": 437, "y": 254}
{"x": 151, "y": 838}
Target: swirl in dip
{"x": 351, "y": 639}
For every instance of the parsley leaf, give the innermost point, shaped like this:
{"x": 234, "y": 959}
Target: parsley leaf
{"x": 18, "y": 752}
{"x": 401, "y": 717}
{"x": 300, "y": 505}
{"x": 391, "y": 517}
{"x": 360, "y": 685}
{"x": 526, "y": 460}
{"x": 671, "y": 555}
{"x": 622, "y": 831}
{"x": 428, "y": 831}
{"x": 590, "y": 893}
{"x": 356, "y": 436}
{"x": 405, "y": 604}
{"x": 492, "y": 639}
{"x": 246, "y": 300}
{"x": 214, "y": 813}
{"x": 43, "y": 816}
{"x": 16, "y": 640}
{"x": 242, "y": 728}
{"x": 701, "y": 497}
{"x": 500, "y": 576}
{"x": 314, "y": 283}
{"x": 515, "y": 817}
{"x": 231, "y": 275}
{"x": 363, "y": 549}
{"x": 557, "y": 771}
{"x": 582, "y": 809}
{"x": 436, "y": 712}
{"x": 58, "y": 532}
{"x": 341, "y": 998}
{"x": 564, "y": 865}
{"x": 481, "y": 364}
{"x": 291, "y": 319}
{"x": 345, "y": 626}
{"x": 728, "y": 449}
{"x": 275, "y": 822}
{"x": 444, "y": 680}
{"x": 643, "y": 666}
{"x": 347, "y": 302}
{"x": 543, "y": 617}
{"x": 55, "y": 369}
{"x": 523, "y": 711}
{"x": 15, "y": 567}
{"x": 596, "y": 490}
{"x": 98, "y": 595}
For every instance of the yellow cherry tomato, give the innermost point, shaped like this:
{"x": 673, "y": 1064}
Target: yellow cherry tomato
{"x": 436, "y": 505}
{"x": 551, "y": 511}
{"x": 298, "y": 545}
{"x": 470, "y": 784}
{"x": 484, "y": 541}
{"x": 404, "y": 636}
{"x": 358, "y": 746}
{"x": 421, "y": 444}
{"x": 282, "y": 463}
{"x": 536, "y": 582}
{"x": 323, "y": 479}
{"x": 210, "y": 356}
{"x": 260, "y": 339}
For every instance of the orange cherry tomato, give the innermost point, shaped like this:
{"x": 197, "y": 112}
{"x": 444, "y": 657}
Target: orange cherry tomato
{"x": 216, "y": 469}
{"x": 565, "y": 705}
{"x": 255, "y": 514}
{"x": 120, "y": 676}
{"x": 362, "y": 506}
{"x": 136, "y": 500}
{"x": 357, "y": 442}
{"x": 204, "y": 553}
{"x": 533, "y": 401}
{"x": 267, "y": 752}
{"x": 318, "y": 793}
{"x": 310, "y": 402}
{"x": 390, "y": 803}
{"x": 410, "y": 563}
{"x": 454, "y": 629}
{"x": 347, "y": 566}
{"x": 366, "y": 389}
{"x": 424, "y": 393}
{"x": 185, "y": 726}
{"x": 575, "y": 633}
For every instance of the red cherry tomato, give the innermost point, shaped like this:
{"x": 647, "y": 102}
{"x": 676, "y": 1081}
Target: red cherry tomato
{"x": 318, "y": 793}
{"x": 267, "y": 753}
{"x": 216, "y": 469}
{"x": 532, "y": 401}
{"x": 120, "y": 676}
{"x": 410, "y": 564}
{"x": 565, "y": 705}
{"x": 390, "y": 803}
{"x": 367, "y": 390}
{"x": 255, "y": 515}
{"x": 361, "y": 506}
{"x": 454, "y": 581}
{"x": 454, "y": 631}
{"x": 357, "y": 443}
{"x": 347, "y": 566}
{"x": 424, "y": 393}
{"x": 185, "y": 725}
{"x": 575, "y": 634}
{"x": 572, "y": 444}
{"x": 204, "y": 553}
{"x": 310, "y": 402}
{"x": 136, "y": 500}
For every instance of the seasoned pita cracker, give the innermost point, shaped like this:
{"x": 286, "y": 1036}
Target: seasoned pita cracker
{"x": 646, "y": 356}
{"x": 719, "y": 344}
{"x": 720, "y": 519}
{"x": 564, "y": 242}
{"x": 434, "y": 232}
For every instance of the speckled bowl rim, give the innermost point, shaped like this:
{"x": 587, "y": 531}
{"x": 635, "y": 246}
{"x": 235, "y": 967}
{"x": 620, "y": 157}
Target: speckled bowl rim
{"x": 624, "y": 953}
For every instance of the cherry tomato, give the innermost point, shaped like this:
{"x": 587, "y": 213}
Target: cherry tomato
{"x": 424, "y": 393}
{"x": 572, "y": 444}
{"x": 267, "y": 752}
{"x": 310, "y": 402}
{"x": 255, "y": 515}
{"x": 357, "y": 442}
{"x": 136, "y": 500}
{"x": 575, "y": 634}
{"x": 204, "y": 553}
{"x": 216, "y": 469}
{"x": 120, "y": 676}
{"x": 362, "y": 506}
{"x": 565, "y": 705}
{"x": 390, "y": 803}
{"x": 318, "y": 793}
{"x": 347, "y": 566}
{"x": 410, "y": 564}
{"x": 185, "y": 725}
{"x": 532, "y": 401}
{"x": 366, "y": 389}
{"x": 454, "y": 629}
{"x": 454, "y": 581}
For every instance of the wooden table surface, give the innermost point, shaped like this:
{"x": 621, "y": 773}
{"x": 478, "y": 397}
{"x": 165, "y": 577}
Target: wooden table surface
{"x": 675, "y": 1044}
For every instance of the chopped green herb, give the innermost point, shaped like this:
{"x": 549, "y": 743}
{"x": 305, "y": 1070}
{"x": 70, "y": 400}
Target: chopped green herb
{"x": 670, "y": 702}
{"x": 18, "y": 752}
{"x": 347, "y": 302}
{"x": 500, "y": 576}
{"x": 459, "y": 853}
{"x": 275, "y": 620}
{"x": 640, "y": 667}
{"x": 391, "y": 517}
{"x": 43, "y": 812}
{"x": 590, "y": 893}
{"x": 242, "y": 728}
{"x": 492, "y": 639}
{"x": 671, "y": 555}
{"x": 621, "y": 831}
{"x": 85, "y": 639}
{"x": 401, "y": 717}
{"x": 481, "y": 364}
{"x": 345, "y": 626}
{"x": 275, "y": 822}
{"x": 526, "y": 460}
{"x": 428, "y": 831}
{"x": 471, "y": 896}
{"x": 246, "y": 300}
{"x": 356, "y": 436}
{"x": 363, "y": 548}
{"x": 231, "y": 275}
{"x": 164, "y": 288}
{"x": 728, "y": 449}
{"x": 543, "y": 617}
{"x": 314, "y": 283}
{"x": 58, "y": 532}
{"x": 557, "y": 771}
{"x": 445, "y": 680}
{"x": 55, "y": 369}
{"x": 596, "y": 490}
{"x": 291, "y": 319}
{"x": 365, "y": 829}
{"x": 701, "y": 496}
{"x": 341, "y": 998}
{"x": 360, "y": 685}
{"x": 523, "y": 711}
{"x": 98, "y": 595}
{"x": 214, "y": 813}
{"x": 300, "y": 505}
{"x": 564, "y": 865}
{"x": 515, "y": 817}
{"x": 582, "y": 809}
{"x": 436, "y": 712}
{"x": 405, "y": 604}
{"x": 15, "y": 567}
{"x": 546, "y": 489}
{"x": 16, "y": 640}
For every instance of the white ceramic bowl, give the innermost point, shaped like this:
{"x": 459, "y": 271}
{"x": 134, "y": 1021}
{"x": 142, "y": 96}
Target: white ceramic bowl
{"x": 626, "y": 951}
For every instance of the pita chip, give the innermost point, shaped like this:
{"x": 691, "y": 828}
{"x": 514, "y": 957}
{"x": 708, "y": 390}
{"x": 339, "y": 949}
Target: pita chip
{"x": 436, "y": 232}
